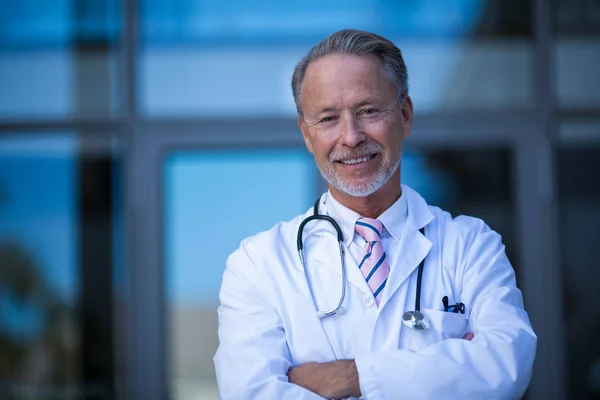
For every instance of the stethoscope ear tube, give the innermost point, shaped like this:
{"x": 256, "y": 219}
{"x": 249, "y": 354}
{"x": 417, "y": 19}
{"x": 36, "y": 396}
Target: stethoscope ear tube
{"x": 340, "y": 236}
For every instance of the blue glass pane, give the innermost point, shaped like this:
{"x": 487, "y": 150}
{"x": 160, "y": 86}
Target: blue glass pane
{"x": 215, "y": 199}
{"x": 58, "y": 247}
{"x": 242, "y": 54}
{"x": 38, "y": 263}
{"x": 58, "y": 22}
{"x": 239, "y": 21}
{"x": 269, "y": 21}
{"x": 38, "y": 208}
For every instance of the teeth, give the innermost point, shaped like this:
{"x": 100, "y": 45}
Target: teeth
{"x": 356, "y": 160}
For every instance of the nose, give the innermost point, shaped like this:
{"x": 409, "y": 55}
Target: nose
{"x": 352, "y": 131}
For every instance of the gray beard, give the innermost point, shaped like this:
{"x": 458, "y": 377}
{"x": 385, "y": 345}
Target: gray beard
{"x": 378, "y": 181}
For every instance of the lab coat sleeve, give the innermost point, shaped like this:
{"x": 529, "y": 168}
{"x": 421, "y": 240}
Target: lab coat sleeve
{"x": 253, "y": 358}
{"x": 496, "y": 364}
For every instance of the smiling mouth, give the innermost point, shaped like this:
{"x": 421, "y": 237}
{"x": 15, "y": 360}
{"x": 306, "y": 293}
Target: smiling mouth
{"x": 358, "y": 160}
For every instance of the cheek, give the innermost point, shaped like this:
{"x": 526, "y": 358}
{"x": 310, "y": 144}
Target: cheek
{"x": 322, "y": 147}
{"x": 386, "y": 134}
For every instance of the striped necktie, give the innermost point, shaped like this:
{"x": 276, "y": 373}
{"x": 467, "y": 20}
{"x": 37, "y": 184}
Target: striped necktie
{"x": 373, "y": 264}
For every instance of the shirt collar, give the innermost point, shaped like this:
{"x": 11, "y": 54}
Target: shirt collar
{"x": 393, "y": 219}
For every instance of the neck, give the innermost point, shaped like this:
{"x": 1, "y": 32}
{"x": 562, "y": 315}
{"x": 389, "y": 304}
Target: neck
{"x": 373, "y": 205}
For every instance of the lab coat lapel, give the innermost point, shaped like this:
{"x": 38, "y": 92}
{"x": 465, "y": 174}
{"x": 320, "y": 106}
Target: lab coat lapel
{"x": 413, "y": 247}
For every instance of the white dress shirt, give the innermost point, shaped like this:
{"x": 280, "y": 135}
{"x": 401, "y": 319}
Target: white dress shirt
{"x": 393, "y": 220}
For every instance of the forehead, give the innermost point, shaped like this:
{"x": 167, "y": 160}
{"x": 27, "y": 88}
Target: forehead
{"x": 344, "y": 79}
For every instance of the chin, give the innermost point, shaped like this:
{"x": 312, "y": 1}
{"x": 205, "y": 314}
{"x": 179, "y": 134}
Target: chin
{"x": 358, "y": 189}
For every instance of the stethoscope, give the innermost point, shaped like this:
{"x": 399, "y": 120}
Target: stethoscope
{"x": 414, "y": 320}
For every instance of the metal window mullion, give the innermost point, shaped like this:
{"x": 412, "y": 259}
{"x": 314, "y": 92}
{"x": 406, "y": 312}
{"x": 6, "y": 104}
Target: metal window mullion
{"x": 145, "y": 353}
{"x": 538, "y": 216}
{"x": 540, "y": 275}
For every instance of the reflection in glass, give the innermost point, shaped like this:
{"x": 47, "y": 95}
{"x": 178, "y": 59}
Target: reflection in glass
{"x": 576, "y": 26}
{"x": 270, "y": 22}
{"x": 58, "y": 23}
{"x": 56, "y": 318}
{"x": 58, "y": 59}
{"x": 472, "y": 54}
{"x": 579, "y": 197}
{"x": 474, "y": 182}
{"x": 576, "y": 17}
{"x": 577, "y": 60}
{"x": 213, "y": 200}
{"x": 38, "y": 252}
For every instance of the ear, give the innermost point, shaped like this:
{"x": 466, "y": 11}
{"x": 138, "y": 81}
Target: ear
{"x": 305, "y": 135}
{"x": 407, "y": 116}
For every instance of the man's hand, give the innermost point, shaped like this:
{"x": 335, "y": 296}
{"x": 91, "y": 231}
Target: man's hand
{"x": 332, "y": 380}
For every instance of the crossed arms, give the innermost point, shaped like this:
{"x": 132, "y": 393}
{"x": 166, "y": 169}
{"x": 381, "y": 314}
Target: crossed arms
{"x": 253, "y": 359}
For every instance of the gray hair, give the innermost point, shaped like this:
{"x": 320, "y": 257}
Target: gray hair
{"x": 356, "y": 43}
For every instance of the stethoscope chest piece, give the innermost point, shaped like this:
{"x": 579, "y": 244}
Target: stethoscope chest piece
{"x": 415, "y": 320}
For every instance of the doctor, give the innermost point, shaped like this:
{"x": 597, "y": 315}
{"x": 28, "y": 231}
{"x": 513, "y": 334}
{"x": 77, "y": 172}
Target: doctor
{"x": 354, "y": 112}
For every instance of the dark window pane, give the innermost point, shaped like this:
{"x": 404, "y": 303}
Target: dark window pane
{"x": 576, "y": 72}
{"x": 579, "y": 195}
{"x": 474, "y": 182}
{"x": 576, "y": 17}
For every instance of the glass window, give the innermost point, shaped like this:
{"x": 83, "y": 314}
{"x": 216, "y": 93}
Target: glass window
{"x": 576, "y": 17}
{"x": 577, "y": 82}
{"x": 58, "y": 22}
{"x": 576, "y": 26}
{"x": 60, "y": 266}
{"x": 474, "y": 182}
{"x": 578, "y": 158}
{"x": 58, "y": 59}
{"x": 271, "y": 21}
{"x": 460, "y": 55}
{"x": 213, "y": 200}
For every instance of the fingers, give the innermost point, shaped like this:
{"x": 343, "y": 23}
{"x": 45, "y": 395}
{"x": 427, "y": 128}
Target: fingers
{"x": 469, "y": 336}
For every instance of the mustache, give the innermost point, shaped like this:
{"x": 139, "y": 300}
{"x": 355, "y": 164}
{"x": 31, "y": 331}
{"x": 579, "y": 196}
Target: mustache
{"x": 357, "y": 152}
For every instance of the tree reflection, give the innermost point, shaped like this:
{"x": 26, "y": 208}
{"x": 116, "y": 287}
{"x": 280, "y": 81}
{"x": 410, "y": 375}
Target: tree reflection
{"x": 38, "y": 346}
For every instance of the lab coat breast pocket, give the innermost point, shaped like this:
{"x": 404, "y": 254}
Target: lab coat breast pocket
{"x": 444, "y": 325}
{"x": 447, "y": 325}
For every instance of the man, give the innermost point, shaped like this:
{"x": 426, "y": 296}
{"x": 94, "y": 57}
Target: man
{"x": 354, "y": 112}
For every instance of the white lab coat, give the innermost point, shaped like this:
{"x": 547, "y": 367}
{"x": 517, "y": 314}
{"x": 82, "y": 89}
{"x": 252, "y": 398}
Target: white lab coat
{"x": 268, "y": 323}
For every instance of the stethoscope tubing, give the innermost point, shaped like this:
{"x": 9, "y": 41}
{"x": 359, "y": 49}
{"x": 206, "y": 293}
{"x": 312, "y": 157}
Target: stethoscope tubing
{"x": 340, "y": 238}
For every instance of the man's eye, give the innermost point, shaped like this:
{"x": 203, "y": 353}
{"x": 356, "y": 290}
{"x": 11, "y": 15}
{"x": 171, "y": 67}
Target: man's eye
{"x": 327, "y": 119}
{"x": 369, "y": 111}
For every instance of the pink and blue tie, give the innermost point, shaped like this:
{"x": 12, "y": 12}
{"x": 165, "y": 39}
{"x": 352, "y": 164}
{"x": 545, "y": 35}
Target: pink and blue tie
{"x": 373, "y": 264}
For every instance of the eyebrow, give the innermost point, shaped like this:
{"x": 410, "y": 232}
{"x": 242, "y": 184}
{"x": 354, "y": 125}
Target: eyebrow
{"x": 358, "y": 105}
{"x": 366, "y": 102}
{"x": 327, "y": 109}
